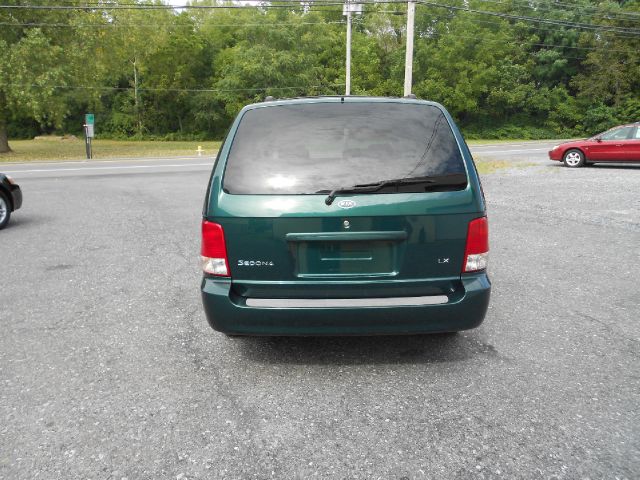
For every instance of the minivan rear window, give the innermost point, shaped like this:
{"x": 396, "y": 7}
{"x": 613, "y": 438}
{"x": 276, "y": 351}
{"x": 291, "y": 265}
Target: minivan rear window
{"x": 313, "y": 147}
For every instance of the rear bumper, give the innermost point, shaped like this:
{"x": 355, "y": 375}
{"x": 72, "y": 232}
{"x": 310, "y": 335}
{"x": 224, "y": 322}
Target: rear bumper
{"x": 231, "y": 315}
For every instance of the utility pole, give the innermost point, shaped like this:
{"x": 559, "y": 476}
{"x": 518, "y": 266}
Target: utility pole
{"x": 135, "y": 95}
{"x": 347, "y": 9}
{"x": 408, "y": 59}
{"x": 347, "y": 89}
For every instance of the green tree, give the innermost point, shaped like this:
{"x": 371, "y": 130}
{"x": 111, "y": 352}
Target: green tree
{"x": 171, "y": 73}
{"x": 40, "y": 63}
{"x": 283, "y": 53}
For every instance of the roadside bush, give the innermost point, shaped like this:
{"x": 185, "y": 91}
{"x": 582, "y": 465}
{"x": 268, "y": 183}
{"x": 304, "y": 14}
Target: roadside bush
{"x": 565, "y": 115}
{"x": 507, "y": 132}
{"x": 23, "y": 129}
{"x": 597, "y": 119}
{"x": 629, "y": 110}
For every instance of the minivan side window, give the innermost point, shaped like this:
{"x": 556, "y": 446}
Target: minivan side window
{"x": 307, "y": 148}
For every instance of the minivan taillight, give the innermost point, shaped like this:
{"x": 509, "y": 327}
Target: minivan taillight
{"x": 214, "y": 250}
{"x": 476, "y": 252}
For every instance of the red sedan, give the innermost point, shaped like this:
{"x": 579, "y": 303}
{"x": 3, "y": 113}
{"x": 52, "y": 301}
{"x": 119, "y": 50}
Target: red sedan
{"x": 619, "y": 144}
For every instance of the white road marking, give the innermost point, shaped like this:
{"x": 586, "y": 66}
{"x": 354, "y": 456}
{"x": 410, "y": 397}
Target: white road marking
{"x": 17, "y": 172}
{"x": 113, "y": 160}
{"x": 494, "y": 145}
{"x": 512, "y": 151}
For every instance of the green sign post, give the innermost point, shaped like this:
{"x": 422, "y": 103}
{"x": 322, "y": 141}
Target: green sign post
{"x": 89, "y": 121}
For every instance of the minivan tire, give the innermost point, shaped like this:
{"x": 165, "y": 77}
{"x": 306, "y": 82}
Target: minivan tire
{"x": 573, "y": 158}
{"x": 5, "y": 210}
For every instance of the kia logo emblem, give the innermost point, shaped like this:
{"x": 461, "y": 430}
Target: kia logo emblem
{"x": 346, "y": 204}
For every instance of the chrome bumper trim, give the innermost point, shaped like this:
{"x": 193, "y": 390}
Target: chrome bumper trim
{"x": 346, "y": 302}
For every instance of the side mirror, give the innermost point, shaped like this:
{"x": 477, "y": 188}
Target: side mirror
{"x": 598, "y": 139}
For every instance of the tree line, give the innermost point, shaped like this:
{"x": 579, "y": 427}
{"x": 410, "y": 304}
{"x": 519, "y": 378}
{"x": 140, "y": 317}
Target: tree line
{"x": 503, "y": 68}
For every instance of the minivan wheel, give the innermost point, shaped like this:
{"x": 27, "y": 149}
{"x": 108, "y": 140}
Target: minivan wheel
{"x": 5, "y": 210}
{"x": 574, "y": 158}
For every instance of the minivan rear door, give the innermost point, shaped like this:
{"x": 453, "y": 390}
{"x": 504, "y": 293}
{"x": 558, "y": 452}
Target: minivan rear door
{"x": 345, "y": 199}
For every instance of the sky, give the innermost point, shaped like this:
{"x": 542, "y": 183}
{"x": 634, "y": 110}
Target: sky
{"x": 176, "y": 2}
{"x": 180, "y": 3}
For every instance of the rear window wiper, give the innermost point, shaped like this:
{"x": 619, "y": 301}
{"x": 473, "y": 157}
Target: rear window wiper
{"x": 454, "y": 179}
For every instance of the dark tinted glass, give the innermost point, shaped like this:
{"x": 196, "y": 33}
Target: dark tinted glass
{"x": 305, "y": 148}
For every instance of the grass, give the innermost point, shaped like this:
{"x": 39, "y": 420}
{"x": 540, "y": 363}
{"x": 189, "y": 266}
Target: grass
{"x": 492, "y": 166}
{"x": 55, "y": 148}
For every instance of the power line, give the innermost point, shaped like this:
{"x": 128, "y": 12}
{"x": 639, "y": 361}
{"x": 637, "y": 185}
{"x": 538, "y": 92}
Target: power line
{"x": 619, "y": 31}
{"x": 549, "y": 29}
{"x": 288, "y": 3}
{"x": 543, "y": 45}
{"x": 190, "y": 90}
{"x": 540, "y": 28}
{"x": 155, "y": 25}
{"x": 276, "y": 25}
{"x": 579, "y": 11}
{"x": 105, "y": 7}
{"x": 585, "y": 26}
{"x": 622, "y": 31}
{"x": 282, "y": 4}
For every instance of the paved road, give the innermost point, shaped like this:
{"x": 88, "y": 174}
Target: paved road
{"x": 109, "y": 370}
{"x": 107, "y": 167}
{"x": 532, "y": 151}
{"x": 527, "y": 151}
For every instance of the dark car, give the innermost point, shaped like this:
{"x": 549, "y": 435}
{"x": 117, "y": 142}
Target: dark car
{"x": 342, "y": 216}
{"x": 10, "y": 198}
{"x": 618, "y": 144}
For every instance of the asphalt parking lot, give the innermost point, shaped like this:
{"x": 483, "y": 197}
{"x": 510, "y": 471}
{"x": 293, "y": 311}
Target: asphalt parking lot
{"x": 108, "y": 369}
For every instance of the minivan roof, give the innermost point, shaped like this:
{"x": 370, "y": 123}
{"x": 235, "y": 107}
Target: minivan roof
{"x": 340, "y": 99}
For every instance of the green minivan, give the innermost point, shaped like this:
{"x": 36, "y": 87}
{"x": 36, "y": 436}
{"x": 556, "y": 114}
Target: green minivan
{"x": 344, "y": 216}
